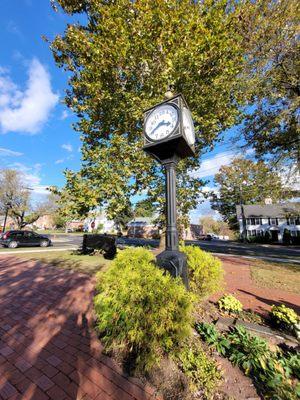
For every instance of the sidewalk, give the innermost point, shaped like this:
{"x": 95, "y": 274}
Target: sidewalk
{"x": 48, "y": 347}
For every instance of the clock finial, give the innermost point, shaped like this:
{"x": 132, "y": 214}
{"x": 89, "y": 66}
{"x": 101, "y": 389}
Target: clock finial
{"x": 169, "y": 94}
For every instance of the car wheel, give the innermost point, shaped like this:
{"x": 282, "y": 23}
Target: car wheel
{"x": 44, "y": 243}
{"x": 13, "y": 244}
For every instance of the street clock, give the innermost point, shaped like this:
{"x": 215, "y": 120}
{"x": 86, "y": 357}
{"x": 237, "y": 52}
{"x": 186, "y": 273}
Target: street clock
{"x": 169, "y": 136}
{"x": 169, "y": 130}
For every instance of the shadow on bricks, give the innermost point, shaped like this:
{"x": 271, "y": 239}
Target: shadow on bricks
{"x": 48, "y": 347}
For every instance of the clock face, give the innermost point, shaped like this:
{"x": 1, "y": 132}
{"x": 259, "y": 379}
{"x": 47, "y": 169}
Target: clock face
{"x": 188, "y": 126}
{"x": 161, "y": 122}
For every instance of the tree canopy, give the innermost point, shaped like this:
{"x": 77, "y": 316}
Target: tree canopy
{"x": 16, "y": 200}
{"x": 211, "y": 225}
{"x": 121, "y": 62}
{"x": 222, "y": 55}
{"x": 271, "y": 32}
{"x": 247, "y": 182}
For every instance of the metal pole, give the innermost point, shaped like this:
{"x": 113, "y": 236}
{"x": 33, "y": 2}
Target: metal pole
{"x": 171, "y": 231}
{"x": 171, "y": 259}
{"x": 244, "y": 229}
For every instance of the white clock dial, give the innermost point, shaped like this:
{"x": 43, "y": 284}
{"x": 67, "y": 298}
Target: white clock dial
{"x": 188, "y": 126}
{"x": 161, "y": 122}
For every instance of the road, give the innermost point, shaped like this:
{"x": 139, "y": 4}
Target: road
{"x": 274, "y": 252}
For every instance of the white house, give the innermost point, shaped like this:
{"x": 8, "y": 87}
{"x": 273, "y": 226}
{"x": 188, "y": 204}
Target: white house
{"x": 272, "y": 218}
{"x": 99, "y": 222}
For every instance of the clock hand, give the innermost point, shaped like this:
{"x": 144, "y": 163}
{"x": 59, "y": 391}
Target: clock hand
{"x": 167, "y": 123}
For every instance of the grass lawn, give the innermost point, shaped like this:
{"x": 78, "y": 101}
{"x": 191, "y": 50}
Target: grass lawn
{"x": 276, "y": 275}
{"x": 57, "y": 232}
{"x": 70, "y": 260}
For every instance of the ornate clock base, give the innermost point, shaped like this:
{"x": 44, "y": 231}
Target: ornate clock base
{"x": 175, "y": 263}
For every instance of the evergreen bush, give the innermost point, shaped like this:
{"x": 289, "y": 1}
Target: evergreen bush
{"x": 202, "y": 371}
{"x": 205, "y": 271}
{"x": 285, "y": 318}
{"x": 230, "y": 304}
{"x": 142, "y": 313}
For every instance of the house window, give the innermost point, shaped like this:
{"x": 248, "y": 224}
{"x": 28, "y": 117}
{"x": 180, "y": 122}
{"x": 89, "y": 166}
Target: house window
{"x": 297, "y": 221}
{"x": 291, "y": 221}
{"x": 273, "y": 221}
{"x": 257, "y": 221}
{"x": 252, "y": 221}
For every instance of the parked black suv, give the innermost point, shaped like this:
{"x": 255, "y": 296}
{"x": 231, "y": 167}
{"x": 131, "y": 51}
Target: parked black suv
{"x": 13, "y": 239}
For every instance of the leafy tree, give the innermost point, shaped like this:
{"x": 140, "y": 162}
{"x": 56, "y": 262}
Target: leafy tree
{"x": 144, "y": 208}
{"x": 271, "y": 34}
{"x": 121, "y": 61}
{"x": 215, "y": 226}
{"x": 124, "y": 216}
{"x": 248, "y": 182}
{"x": 15, "y": 197}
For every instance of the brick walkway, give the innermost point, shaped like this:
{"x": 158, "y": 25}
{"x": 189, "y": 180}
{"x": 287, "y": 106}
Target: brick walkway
{"x": 260, "y": 299}
{"x": 48, "y": 348}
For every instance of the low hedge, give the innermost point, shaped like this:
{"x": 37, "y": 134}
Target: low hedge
{"x": 142, "y": 313}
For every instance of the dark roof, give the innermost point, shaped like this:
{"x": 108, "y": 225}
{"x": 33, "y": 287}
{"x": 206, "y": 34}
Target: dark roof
{"x": 270, "y": 210}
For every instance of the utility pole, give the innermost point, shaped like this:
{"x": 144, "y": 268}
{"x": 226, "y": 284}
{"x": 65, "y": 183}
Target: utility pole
{"x": 244, "y": 228}
{"x": 8, "y": 205}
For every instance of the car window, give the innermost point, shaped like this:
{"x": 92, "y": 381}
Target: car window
{"x": 28, "y": 234}
{"x": 17, "y": 235}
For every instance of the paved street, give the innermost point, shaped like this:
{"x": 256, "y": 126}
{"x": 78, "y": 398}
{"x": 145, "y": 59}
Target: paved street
{"x": 251, "y": 250}
{"x": 275, "y": 252}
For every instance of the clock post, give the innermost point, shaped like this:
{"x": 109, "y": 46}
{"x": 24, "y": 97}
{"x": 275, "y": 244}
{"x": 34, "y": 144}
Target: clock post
{"x": 169, "y": 136}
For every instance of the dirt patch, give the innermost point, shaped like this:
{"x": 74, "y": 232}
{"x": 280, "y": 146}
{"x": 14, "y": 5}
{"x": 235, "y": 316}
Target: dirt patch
{"x": 235, "y": 384}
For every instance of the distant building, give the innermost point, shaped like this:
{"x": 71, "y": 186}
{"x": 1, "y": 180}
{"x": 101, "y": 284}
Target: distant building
{"x": 142, "y": 227}
{"x": 99, "y": 222}
{"x": 273, "y": 220}
{"x": 193, "y": 232}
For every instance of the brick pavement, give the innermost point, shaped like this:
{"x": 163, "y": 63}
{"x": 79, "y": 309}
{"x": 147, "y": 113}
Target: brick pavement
{"x": 260, "y": 299}
{"x": 48, "y": 347}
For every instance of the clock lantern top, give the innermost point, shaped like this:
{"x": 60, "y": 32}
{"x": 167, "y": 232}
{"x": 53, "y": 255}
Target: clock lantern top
{"x": 169, "y": 130}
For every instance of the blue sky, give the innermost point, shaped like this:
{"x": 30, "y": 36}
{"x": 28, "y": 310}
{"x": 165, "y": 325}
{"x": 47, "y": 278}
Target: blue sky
{"x": 35, "y": 127}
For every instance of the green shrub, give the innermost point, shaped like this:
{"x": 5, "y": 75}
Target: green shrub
{"x": 270, "y": 370}
{"x": 230, "y": 304}
{"x": 201, "y": 371}
{"x": 141, "y": 313}
{"x": 291, "y": 364}
{"x": 251, "y": 353}
{"x": 212, "y": 337}
{"x": 205, "y": 271}
{"x": 284, "y": 317}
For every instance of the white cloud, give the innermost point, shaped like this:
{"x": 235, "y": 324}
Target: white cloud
{"x": 67, "y": 147}
{"x": 9, "y": 153}
{"x": 26, "y": 111}
{"x": 64, "y": 115}
{"x": 203, "y": 209}
{"x": 60, "y": 161}
{"x": 211, "y": 166}
{"x": 32, "y": 180}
